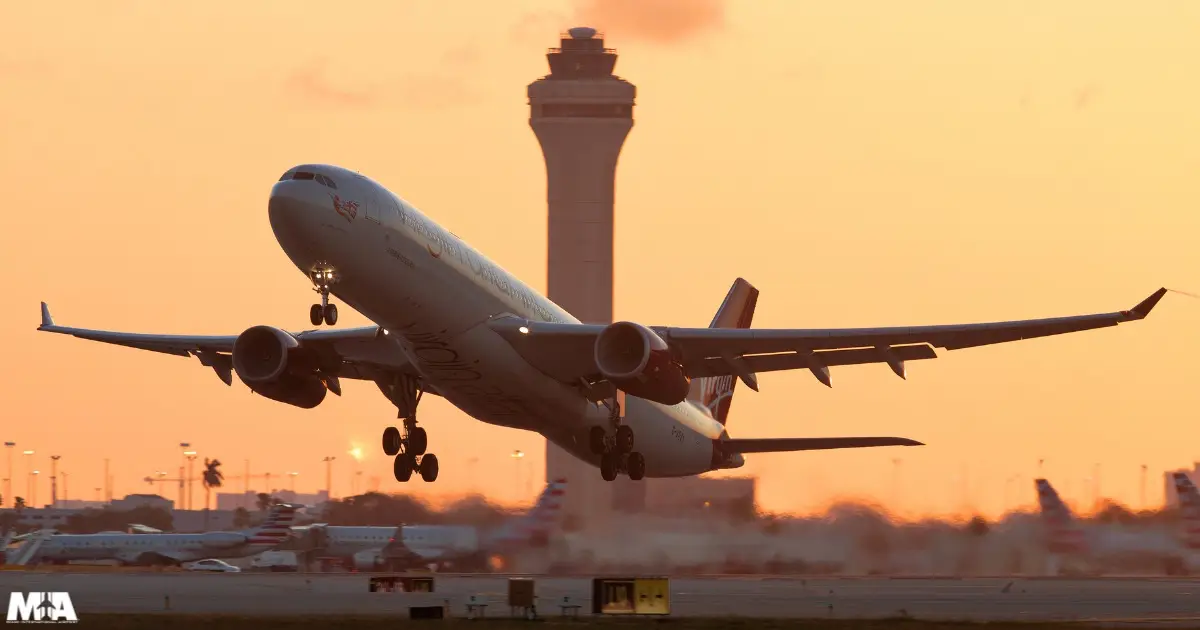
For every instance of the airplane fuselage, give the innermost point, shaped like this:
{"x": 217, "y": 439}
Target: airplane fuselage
{"x": 434, "y": 295}
{"x": 131, "y": 548}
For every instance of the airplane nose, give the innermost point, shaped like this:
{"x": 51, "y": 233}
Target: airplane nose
{"x": 293, "y": 213}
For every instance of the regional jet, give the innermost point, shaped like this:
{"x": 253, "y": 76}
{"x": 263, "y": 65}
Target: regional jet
{"x": 450, "y": 322}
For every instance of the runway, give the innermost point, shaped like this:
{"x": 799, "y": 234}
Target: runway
{"x": 980, "y": 599}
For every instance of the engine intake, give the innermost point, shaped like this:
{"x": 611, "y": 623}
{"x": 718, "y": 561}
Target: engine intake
{"x": 272, "y": 363}
{"x": 637, "y": 361}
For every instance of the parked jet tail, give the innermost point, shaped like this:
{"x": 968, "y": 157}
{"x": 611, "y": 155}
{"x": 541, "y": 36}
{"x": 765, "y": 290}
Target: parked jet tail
{"x": 715, "y": 393}
{"x": 535, "y": 526}
{"x": 275, "y": 528}
{"x": 1064, "y": 534}
{"x": 1189, "y": 509}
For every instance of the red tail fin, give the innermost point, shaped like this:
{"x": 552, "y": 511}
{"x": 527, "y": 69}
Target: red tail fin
{"x": 737, "y": 311}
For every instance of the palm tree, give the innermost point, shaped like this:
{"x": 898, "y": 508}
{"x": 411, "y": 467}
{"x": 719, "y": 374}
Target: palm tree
{"x": 212, "y": 478}
{"x": 19, "y": 504}
{"x": 265, "y": 501}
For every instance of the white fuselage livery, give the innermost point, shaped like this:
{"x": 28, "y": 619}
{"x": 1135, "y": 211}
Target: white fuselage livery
{"x": 430, "y": 542}
{"x": 144, "y": 548}
{"x": 434, "y": 295}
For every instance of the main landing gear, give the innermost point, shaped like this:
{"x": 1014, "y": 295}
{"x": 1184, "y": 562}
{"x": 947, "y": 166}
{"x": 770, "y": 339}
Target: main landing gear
{"x": 323, "y": 276}
{"x": 409, "y": 447}
{"x": 616, "y": 449}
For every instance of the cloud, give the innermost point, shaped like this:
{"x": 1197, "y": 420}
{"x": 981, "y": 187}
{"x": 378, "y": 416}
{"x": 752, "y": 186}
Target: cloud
{"x": 1086, "y": 95}
{"x": 655, "y": 21}
{"x": 311, "y": 83}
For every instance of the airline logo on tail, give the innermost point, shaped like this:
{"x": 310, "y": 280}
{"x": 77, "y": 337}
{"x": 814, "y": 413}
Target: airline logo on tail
{"x": 536, "y": 525}
{"x": 1064, "y": 534}
{"x": 277, "y": 526}
{"x": 737, "y": 311}
{"x": 1189, "y": 509}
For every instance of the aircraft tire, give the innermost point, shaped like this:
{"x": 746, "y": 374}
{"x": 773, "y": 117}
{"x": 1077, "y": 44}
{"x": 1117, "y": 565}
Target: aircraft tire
{"x": 330, "y": 314}
{"x": 636, "y": 466}
{"x": 391, "y": 441}
{"x": 625, "y": 439}
{"x": 418, "y": 441}
{"x": 315, "y": 314}
{"x": 429, "y": 468}
{"x": 403, "y": 467}
{"x": 608, "y": 466}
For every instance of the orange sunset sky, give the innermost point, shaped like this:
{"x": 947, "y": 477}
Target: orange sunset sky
{"x": 863, "y": 163}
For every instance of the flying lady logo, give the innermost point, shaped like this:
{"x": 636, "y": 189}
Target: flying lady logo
{"x": 718, "y": 389}
{"x": 348, "y": 209}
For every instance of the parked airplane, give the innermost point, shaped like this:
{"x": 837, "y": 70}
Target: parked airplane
{"x": 452, "y": 546}
{"x": 451, "y": 322}
{"x": 1098, "y": 548}
{"x": 171, "y": 549}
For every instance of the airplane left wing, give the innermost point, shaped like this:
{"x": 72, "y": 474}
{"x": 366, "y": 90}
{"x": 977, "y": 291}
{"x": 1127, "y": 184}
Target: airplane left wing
{"x": 787, "y": 445}
{"x": 356, "y": 353}
{"x": 566, "y": 352}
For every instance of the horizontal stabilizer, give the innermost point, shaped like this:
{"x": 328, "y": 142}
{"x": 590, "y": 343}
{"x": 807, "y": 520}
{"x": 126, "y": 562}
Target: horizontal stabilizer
{"x": 786, "y": 445}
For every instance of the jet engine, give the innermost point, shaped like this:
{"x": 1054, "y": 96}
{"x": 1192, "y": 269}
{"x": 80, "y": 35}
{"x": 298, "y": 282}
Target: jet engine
{"x": 222, "y": 539}
{"x": 272, "y": 363}
{"x": 637, "y": 361}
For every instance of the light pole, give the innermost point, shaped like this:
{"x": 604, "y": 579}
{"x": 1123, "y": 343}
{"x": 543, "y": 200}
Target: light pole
{"x": 1143, "y": 490}
{"x": 54, "y": 480}
{"x": 8, "y": 446}
{"x": 517, "y": 456}
{"x": 33, "y": 479}
{"x": 191, "y": 487}
{"x": 28, "y": 476}
{"x": 293, "y": 475}
{"x": 329, "y": 477}
{"x": 66, "y": 497}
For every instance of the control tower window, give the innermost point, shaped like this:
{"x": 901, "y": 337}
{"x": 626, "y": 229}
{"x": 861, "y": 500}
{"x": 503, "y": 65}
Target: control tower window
{"x": 303, "y": 175}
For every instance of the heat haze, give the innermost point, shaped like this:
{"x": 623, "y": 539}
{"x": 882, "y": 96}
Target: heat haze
{"x": 862, "y": 163}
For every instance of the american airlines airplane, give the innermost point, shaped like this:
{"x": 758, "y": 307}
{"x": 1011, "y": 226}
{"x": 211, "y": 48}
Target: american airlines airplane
{"x": 1098, "y": 548}
{"x": 168, "y": 549}
{"x": 450, "y": 322}
{"x": 449, "y": 546}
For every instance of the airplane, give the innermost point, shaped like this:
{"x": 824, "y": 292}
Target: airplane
{"x": 457, "y": 546}
{"x": 167, "y": 549}
{"x": 1100, "y": 547}
{"x": 450, "y": 322}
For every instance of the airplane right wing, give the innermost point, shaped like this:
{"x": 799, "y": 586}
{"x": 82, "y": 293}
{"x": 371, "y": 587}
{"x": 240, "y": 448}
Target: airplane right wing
{"x": 787, "y": 445}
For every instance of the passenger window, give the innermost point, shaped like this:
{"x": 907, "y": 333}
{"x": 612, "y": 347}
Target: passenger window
{"x": 303, "y": 175}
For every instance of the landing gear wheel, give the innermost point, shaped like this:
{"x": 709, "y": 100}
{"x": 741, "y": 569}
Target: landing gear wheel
{"x": 391, "y": 441}
{"x": 624, "y": 439}
{"x": 429, "y": 468}
{"x": 608, "y": 466}
{"x": 596, "y": 440}
{"x": 418, "y": 441}
{"x": 315, "y": 314}
{"x": 403, "y": 467}
{"x": 330, "y": 314}
{"x": 636, "y": 466}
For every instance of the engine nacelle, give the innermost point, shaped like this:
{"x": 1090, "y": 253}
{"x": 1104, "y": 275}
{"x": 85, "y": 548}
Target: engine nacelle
{"x": 272, "y": 363}
{"x": 637, "y": 361}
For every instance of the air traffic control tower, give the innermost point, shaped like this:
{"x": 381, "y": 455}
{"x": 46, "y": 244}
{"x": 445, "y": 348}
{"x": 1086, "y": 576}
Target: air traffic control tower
{"x": 581, "y": 114}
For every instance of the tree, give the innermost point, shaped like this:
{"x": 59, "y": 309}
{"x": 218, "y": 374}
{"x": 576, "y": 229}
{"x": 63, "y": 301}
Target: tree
{"x": 241, "y": 517}
{"x": 265, "y": 501}
{"x": 19, "y": 504}
{"x": 212, "y": 479}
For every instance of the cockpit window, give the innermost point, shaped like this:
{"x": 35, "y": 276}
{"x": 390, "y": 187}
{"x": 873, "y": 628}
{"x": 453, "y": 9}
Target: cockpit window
{"x": 327, "y": 181}
{"x": 303, "y": 175}
{"x": 286, "y": 176}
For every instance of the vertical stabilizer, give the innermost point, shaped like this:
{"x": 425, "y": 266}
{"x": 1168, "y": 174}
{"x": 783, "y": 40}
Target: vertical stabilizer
{"x": 534, "y": 527}
{"x": 1189, "y": 509}
{"x": 715, "y": 393}
{"x": 1064, "y": 535}
{"x": 276, "y": 528}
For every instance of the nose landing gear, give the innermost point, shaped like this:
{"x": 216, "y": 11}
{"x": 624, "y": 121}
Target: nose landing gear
{"x": 323, "y": 276}
{"x": 616, "y": 449}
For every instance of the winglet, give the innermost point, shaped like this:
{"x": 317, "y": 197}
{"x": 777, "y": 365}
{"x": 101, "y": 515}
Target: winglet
{"x": 1145, "y": 306}
{"x": 47, "y": 321}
